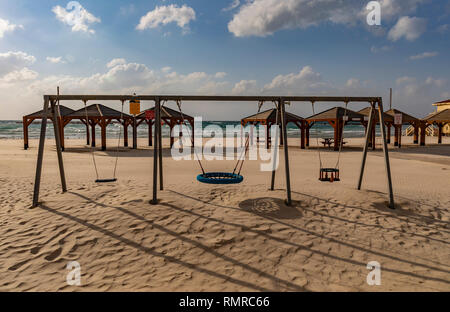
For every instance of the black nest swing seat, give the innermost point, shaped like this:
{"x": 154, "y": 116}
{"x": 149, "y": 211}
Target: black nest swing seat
{"x": 329, "y": 175}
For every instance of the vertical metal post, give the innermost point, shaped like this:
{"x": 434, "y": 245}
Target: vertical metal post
{"x": 286, "y": 152}
{"x": 276, "y": 146}
{"x": 386, "y": 154}
{"x": 154, "y": 200}
{"x": 37, "y": 181}
{"x": 366, "y": 144}
{"x": 56, "y": 127}
{"x": 160, "y": 148}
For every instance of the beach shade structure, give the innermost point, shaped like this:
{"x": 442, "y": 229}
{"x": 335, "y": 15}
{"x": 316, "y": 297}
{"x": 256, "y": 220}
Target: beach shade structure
{"x": 388, "y": 122}
{"x": 101, "y": 115}
{"x": 268, "y": 118}
{"x": 335, "y": 117}
{"x": 28, "y": 120}
{"x": 400, "y": 119}
{"x": 439, "y": 119}
{"x": 169, "y": 116}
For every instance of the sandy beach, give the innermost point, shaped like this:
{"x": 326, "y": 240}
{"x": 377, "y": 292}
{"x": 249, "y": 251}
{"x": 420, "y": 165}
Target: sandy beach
{"x": 225, "y": 238}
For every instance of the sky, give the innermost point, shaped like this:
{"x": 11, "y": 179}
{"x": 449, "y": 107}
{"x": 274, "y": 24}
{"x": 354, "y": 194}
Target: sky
{"x": 229, "y": 47}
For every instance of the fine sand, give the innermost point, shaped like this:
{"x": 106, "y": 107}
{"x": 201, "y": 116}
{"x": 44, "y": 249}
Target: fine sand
{"x": 225, "y": 238}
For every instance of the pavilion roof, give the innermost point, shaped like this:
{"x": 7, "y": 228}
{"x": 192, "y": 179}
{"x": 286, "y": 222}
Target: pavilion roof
{"x": 366, "y": 112}
{"x": 64, "y": 111}
{"x": 167, "y": 113}
{"x": 442, "y": 116}
{"x": 98, "y": 110}
{"x": 405, "y": 117}
{"x": 446, "y": 102}
{"x": 336, "y": 113}
{"x": 270, "y": 115}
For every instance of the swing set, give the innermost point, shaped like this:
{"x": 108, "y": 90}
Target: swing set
{"x": 234, "y": 177}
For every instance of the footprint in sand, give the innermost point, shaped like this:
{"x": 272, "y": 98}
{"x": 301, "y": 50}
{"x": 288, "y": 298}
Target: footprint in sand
{"x": 35, "y": 250}
{"x": 55, "y": 254}
{"x": 17, "y": 265}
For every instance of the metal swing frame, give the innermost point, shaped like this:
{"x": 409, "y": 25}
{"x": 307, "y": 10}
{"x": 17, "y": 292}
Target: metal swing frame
{"x": 376, "y": 104}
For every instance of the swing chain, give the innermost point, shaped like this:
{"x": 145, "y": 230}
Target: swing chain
{"x": 192, "y": 139}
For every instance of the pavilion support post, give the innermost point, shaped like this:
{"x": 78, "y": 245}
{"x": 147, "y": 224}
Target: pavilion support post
{"x": 134, "y": 133}
{"x": 307, "y": 135}
{"x": 37, "y": 181}
{"x": 440, "y": 127}
{"x": 93, "y": 123}
{"x": 87, "y": 133}
{"x": 336, "y": 127}
{"x": 150, "y": 130}
{"x": 399, "y": 136}
{"x": 57, "y": 129}
{"x": 25, "y": 133}
{"x": 388, "y": 139}
{"x": 154, "y": 200}
{"x": 125, "y": 133}
{"x": 103, "y": 133}
{"x": 386, "y": 154}
{"x": 302, "y": 135}
{"x": 395, "y": 135}
{"x": 286, "y": 151}
{"x": 423, "y": 127}
{"x": 416, "y": 133}
{"x": 366, "y": 144}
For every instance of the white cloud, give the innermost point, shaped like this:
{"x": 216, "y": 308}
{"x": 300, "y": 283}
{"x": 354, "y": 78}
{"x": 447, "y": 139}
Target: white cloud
{"x": 79, "y": 18}
{"x": 423, "y": 55}
{"x": 233, "y": 5}
{"x": 220, "y": 75}
{"x": 375, "y": 49}
{"x": 305, "y": 81}
{"x": 55, "y": 60}
{"x": 11, "y": 61}
{"x": 264, "y": 17}
{"x": 245, "y": 87}
{"x": 6, "y": 26}
{"x": 410, "y": 28}
{"x": 115, "y": 62}
{"x": 24, "y": 74}
{"x": 353, "y": 82}
{"x": 163, "y": 15}
{"x": 443, "y": 28}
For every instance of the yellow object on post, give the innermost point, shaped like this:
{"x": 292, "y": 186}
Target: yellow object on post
{"x": 135, "y": 107}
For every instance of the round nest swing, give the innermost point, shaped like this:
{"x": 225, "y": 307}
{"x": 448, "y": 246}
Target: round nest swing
{"x": 220, "y": 178}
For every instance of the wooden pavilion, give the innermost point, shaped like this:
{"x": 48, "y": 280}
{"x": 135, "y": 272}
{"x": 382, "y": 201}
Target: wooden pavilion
{"x": 28, "y": 120}
{"x": 408, "y": 120}
{"x": 440, "y": 119}
{"x": 169, "y": 116}
{"x": 388, "y": 122}
{"x": 268, "y": 118}
{"x": 101, "y": 115}
{"x": 335, "y": 117}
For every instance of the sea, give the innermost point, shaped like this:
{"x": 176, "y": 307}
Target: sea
{"x": 12, "y": 129}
